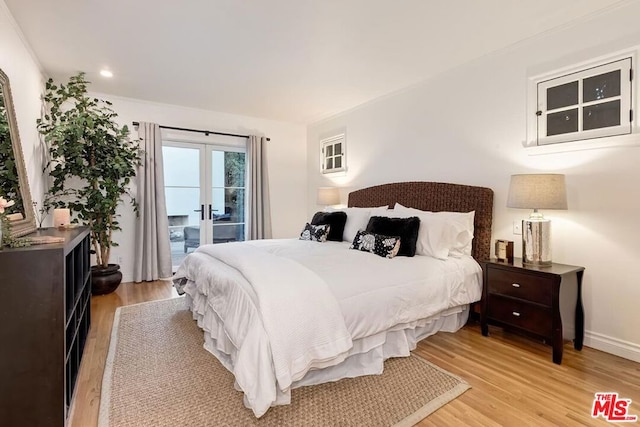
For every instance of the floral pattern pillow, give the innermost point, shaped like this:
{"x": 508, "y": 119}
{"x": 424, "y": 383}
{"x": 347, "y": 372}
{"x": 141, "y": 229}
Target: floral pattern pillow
{"x": 317, "y": 233}
{"x": 384, "y": 246}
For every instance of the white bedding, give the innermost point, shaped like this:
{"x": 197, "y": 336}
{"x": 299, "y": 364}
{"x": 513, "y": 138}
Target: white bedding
{"x": 386, "y": 306}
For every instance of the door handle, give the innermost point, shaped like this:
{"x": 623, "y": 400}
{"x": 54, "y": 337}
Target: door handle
{"x": 210, "y": 212}
{"x": 201, "y": 210}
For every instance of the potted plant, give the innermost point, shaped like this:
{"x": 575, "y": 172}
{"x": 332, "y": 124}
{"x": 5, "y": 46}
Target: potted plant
{"x": 91, "y": 162}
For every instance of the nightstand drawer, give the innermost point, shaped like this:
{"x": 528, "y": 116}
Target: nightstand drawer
{"x": 536, "y": 319}
{"x": 520, "y": 285}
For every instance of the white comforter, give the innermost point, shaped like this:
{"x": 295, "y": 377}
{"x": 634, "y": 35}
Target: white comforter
{"x": 272, "y": 310}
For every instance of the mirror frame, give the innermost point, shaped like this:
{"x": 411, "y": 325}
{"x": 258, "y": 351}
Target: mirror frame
{"x": 28, "y": 223}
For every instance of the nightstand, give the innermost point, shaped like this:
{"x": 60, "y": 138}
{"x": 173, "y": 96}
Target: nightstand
{"x": 530, "y": 299}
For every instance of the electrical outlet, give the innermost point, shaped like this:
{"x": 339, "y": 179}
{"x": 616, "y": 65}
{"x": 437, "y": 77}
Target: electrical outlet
{"x": 517, "y": 227}
{"x": 120, "y": 260}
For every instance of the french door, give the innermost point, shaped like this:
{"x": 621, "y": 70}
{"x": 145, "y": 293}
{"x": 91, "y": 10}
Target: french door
{"x": 205, "y": 195}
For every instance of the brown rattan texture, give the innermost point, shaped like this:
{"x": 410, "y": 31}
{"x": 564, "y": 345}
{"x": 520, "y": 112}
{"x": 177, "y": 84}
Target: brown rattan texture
{"x": 436, "y": 197}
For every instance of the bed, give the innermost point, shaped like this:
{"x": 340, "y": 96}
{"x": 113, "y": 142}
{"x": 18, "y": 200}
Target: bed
{"x": 285, "y": 313}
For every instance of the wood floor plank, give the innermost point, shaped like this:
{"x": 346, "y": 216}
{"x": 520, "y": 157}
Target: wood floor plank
{"x": 513, "y": 379}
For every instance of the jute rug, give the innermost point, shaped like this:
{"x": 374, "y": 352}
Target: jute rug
{"x": 158, "y": 374}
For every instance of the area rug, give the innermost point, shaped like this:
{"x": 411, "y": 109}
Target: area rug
{"x": 158, "y": 374}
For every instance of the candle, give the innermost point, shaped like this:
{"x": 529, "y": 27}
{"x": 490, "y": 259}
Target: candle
{"x": 61, "y": 217}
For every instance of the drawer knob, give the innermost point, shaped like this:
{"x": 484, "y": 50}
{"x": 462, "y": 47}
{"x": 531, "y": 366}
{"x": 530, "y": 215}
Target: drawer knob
{"x": 515, "y": 285}
{"x": 515, "y": 313}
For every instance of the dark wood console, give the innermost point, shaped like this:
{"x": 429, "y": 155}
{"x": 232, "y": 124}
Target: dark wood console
{"x": 45, "y": 293}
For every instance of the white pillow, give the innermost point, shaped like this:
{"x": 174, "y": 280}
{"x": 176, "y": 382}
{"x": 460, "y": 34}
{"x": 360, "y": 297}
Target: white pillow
{"x": 461, "y": 224}
{"x": 357, "y": 219}
{"x": 434, "y": 240}
{"x": 441, "y": 234}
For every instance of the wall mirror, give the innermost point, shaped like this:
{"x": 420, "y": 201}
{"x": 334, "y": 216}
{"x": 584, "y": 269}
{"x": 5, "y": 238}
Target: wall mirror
{"x": 14, "y": 184}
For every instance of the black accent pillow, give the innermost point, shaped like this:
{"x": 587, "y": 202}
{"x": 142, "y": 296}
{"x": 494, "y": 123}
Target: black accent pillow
{"x": 384, "y": 246}
{"x": 336, "y": 220}
{"x": 405, "y": 228}
{"x": 317, "y": 233}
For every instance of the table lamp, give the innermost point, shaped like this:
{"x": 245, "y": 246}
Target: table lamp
{"x": 537, "y": 191}
{"x": 328, "y": 196}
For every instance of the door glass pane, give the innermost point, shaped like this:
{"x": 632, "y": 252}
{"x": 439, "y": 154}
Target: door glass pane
{"x": 234, "y": 169}
{"x": 181, "y": 167}
{"x": 601, "y": 86}
{"x": 601, "y": 115}
{"x": 228, "y": 205}
{"x": 223, "y": 233}
{"x": 562, "y": 96}
{"x": 562, "y": 122}
{"x": 182, "y": 193}
{"x": 228, "y": 196}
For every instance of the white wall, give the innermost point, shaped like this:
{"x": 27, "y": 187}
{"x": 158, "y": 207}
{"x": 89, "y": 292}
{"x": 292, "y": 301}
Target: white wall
{"x": 286, "y": 154}
{"x": 468, "y": 125}
{"x": 27, "y": 85}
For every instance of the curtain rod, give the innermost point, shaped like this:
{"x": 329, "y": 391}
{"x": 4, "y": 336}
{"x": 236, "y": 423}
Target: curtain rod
{"x": 206, "y": 132}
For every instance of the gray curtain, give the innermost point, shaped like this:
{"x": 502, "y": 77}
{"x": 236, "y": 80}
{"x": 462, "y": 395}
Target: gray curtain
{"x": 258, "y": 182}
{"x": 153, "y": 251}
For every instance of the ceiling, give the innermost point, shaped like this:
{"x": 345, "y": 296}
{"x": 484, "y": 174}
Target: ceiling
{"x": 291, "y": 60}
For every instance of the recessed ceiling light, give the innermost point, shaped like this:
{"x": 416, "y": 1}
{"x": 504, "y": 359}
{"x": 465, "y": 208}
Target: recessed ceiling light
{"x": 106, "y": 73}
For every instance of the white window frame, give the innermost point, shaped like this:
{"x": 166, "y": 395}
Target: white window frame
{"x": 539, "y": 85}
{"x": 326, "y": 154}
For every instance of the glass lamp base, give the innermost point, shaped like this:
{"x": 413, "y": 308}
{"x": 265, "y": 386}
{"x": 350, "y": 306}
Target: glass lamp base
{"x": 536, "y": 242}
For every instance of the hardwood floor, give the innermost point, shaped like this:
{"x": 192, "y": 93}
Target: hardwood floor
{"x": 513, "y": 379}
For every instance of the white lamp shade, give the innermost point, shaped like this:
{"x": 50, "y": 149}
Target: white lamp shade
{"x": 537, "y": 191}
{"x": 328, "y": 196}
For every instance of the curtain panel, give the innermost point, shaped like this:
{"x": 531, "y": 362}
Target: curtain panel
{"x": 258, "y": 182}
{"x": 152, "y": 246}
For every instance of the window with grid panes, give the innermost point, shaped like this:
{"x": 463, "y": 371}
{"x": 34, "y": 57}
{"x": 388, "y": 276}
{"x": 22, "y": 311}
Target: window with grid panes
{"x": 587, "y": 103}
{"x": 333, "y": 154}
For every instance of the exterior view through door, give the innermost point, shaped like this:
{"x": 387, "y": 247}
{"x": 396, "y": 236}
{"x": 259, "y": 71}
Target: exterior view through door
{"x": 205, "y": 193}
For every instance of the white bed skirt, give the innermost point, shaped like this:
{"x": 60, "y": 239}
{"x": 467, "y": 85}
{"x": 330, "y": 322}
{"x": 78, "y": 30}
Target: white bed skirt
{"x": 366, "y": 357}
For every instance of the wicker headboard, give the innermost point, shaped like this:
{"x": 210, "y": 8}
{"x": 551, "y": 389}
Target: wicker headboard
{"x": 436, "y": 197}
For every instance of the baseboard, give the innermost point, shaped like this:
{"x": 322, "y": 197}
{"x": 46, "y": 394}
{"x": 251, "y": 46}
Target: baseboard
{"x": 625, "y": 349}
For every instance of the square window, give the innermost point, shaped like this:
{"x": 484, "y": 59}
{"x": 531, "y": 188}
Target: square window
{"x": 588, "y": 102}
{"x": 332, "y": 154}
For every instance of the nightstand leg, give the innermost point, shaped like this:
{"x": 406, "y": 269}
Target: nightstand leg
{"x": 484, "y": 321}
{"x": 557, "y": 347}
{"x": 579, "y": 320}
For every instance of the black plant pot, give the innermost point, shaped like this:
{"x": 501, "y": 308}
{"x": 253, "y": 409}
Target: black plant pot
{"x": 105, "y": 280}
